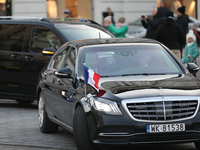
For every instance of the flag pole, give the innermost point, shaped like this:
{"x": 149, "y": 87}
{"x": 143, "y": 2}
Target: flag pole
{"x": 84, "y": 81}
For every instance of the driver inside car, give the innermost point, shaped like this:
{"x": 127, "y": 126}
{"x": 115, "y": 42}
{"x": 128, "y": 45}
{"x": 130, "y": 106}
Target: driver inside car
{"x": 144, "y": 59}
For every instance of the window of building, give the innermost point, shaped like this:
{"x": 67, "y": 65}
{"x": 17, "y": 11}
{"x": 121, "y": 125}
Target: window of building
{"x": 51, "y": 9}
{"x": 173, "y": 5}
{"x": 2, "y": 7}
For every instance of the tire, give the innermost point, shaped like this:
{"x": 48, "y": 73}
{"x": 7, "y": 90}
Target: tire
{"x": 45, "y": 124}
{"x": 197, "y": 145}
{"x": 81, "y": 132}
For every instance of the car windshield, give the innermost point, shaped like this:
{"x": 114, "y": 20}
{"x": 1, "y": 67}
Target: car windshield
{"x": 150, "y": 59}
{"x": 79, "y": 32}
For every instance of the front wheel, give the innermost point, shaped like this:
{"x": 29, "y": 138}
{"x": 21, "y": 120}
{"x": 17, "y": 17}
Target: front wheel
{"x": 81, "y": 132}
{"x": 45, "y": 124}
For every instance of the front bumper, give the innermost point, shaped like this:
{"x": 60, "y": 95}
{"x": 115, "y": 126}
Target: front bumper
{"x": 121, "y": 130}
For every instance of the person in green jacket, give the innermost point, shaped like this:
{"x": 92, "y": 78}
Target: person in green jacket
{"x": 120, "y": 29}
{"x": 191, "y": 49}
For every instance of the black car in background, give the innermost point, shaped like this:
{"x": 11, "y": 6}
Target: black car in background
{"x": 146, "y": 94}
{"x": 26, "y": 46}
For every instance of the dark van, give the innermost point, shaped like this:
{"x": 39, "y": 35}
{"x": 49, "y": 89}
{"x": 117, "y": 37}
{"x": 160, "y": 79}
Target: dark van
{"x": 26, "y": 46}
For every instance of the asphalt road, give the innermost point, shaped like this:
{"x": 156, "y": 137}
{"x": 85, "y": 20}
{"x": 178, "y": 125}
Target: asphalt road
{"x": 19, "y": 128}
{"x": 19, "y": 131}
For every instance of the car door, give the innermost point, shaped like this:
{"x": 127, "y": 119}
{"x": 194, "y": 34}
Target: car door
{"x": 40, "y": 37}
{"x": 62, "y": 96}
{"x": 11, "y": 59}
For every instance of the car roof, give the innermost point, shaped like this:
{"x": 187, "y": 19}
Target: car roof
{"x": 48, "y": 21}
{"x": 92, "y": 42}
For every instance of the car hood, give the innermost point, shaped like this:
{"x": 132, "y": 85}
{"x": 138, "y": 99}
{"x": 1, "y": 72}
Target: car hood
{"x": 119, "y": 88}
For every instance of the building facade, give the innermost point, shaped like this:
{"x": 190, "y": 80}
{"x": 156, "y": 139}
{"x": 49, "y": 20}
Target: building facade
{"x": 133, "y": 9}
{"x": 92, "y": 9}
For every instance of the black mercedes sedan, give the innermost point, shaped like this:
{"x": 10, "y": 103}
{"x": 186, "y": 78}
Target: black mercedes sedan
{"x": 119, "y": 92}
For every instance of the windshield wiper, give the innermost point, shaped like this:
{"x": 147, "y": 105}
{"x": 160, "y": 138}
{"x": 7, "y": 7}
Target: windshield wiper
{"x": 106, "y": 76}
{"x": 144, "y": 74}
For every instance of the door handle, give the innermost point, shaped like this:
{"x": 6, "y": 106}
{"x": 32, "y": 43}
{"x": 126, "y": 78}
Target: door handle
{"x": 29, "y": 58}
{"x": 15, "y": 56}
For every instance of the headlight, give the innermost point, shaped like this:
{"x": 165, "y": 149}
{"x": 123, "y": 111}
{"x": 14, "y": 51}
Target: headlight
{"x": 107, "y": 106}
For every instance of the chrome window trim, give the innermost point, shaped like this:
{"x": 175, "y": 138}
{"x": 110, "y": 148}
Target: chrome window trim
{"x": 160, "y": 99}
{"x": 120, "y": 44}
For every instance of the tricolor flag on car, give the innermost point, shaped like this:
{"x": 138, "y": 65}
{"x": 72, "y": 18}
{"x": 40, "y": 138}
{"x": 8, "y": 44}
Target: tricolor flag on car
{"x": 93, "y": 78}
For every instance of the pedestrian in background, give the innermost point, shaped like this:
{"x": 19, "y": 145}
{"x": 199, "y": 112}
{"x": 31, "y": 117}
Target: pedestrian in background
{"x": 109, "y": 13}
{"x": 183, "y": 20}
{"x": 163, "y": 7}
{"x": 120, "y": 29}
{"x": 67, "y": 13}
{"x": 152, "y": 25}
{"x": 171, "y": 34}
{"x": 107, "y": 21}
{"x": 191, "y": 49}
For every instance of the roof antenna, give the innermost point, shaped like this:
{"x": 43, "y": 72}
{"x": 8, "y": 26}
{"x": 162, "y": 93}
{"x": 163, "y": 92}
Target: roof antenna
{"x": 99, "y": 35}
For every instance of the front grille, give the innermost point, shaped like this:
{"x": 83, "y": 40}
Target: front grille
{"x": 163, "y": 110}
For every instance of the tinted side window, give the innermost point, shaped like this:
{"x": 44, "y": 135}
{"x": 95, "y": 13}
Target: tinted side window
{"x": 12, "y": 36}
{"x": 43, "y": 37}
{"x": 71, "y": 61}
{"x": 58, "y": 61}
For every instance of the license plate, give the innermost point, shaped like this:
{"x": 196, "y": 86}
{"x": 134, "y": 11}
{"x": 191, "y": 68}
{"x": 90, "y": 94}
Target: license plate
{"x": 160, "y": 128}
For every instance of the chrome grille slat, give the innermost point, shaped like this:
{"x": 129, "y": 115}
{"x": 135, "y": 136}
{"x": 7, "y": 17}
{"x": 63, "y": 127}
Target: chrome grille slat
{"x": 181, "y": 104}
{"x": 144, "y": 106}
{"x": 162, "y": 110}
{"x": 148, "y": 115}
{"x": 144, "y": 111}
{"x": 180, "y": 114}
{"x": 181, "y": 109}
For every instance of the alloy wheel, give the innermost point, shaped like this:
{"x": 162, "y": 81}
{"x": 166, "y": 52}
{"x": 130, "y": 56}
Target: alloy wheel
{"x": 41, "y": 110}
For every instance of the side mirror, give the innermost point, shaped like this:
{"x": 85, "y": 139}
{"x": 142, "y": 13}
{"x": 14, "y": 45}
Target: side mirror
{"x": 48, "y": 51}
{"x": 192, "y": 68}
{"x": 64, "y": 73}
